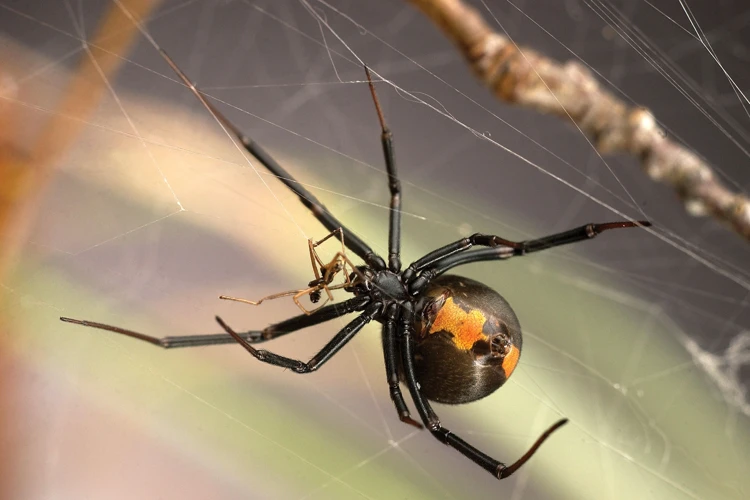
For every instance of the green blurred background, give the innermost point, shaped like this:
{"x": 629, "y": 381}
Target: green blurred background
{"x": 152, "y": 212}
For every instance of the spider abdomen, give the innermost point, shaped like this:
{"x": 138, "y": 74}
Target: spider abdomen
{"x": 468, "y": 340}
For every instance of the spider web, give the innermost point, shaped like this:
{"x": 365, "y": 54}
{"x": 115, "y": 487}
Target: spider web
{"x": 640, "y": 338}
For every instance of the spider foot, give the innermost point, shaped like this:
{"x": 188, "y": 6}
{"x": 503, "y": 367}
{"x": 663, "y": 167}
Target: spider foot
{"x": 408, "y": 420}
{"x": 502, "y": 471}
{"x": 244, "y": 301}
{"x": 267, "y": 356}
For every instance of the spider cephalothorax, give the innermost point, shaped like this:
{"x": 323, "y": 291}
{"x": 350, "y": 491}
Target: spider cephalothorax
{"x": 448, "y": 339}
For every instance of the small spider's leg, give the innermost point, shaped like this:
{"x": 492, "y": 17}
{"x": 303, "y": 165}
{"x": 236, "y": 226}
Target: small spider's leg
{"x": 391, "y": 367}
{"x": 319, "y": 211}
{"x": 267, "y": 297}
{"x": 309, "y": 291}
{"x": 331, "y": 348}
{"x": 432, "y": 422}
{"x": 354, "y": 269}
{"x": 336, "y": 232}
{"x": 347, "y": 278}
{"x": 452, "y": 255}
{"x": 313, "y": 258}
{"x": 386, "y": 138}
{"x": 338, "y": 287}
{"x": 253, "y": 336}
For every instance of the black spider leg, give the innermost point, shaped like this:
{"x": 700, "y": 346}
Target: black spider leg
{"x": 394, "y": 231}
{"x": 390, "y": 352}
{"x": 253, "y": 336}
{"x": 442, "y": 259}
{"x": 319, "y": 211}
{"x": 331, "y": 348}
{"x": 432, "y": 422}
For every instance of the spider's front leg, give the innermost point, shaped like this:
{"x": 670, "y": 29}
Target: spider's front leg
{"x": 317, "y": 209}
{"x": 394, "y": 184}
{"x": 331, "y": 348}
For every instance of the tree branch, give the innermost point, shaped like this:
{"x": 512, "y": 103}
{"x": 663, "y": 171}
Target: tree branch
{"x": 525, "y": 77}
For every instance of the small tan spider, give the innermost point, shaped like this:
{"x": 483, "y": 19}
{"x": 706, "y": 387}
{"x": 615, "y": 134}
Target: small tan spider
{"x": 324, "y": 276}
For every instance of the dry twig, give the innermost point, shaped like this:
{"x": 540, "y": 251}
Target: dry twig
{"x": 523, "y": 76}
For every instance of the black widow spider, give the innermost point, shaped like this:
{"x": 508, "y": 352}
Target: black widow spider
{"x": 450, "y": 339}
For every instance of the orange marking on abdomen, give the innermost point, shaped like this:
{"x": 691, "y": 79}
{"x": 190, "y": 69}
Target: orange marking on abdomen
{"x": 510, "y": 361}
{"x": 465, "y": 327}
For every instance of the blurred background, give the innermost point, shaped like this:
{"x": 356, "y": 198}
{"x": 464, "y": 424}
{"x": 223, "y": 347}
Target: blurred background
{"x": 124, "y": 202}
